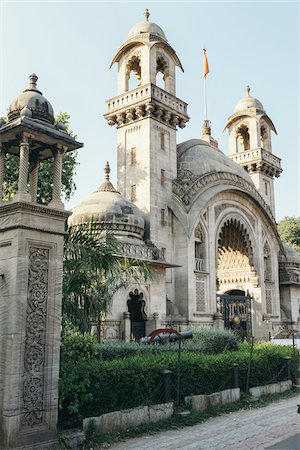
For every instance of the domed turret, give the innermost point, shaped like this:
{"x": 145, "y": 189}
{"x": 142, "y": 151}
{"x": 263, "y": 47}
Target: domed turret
{"x": 146, "y": 27}
{"x": 31, "y": 103}
{"x": 109, "y": 211}
{"x": 250, "y": 145}
{"x": 248, "y": 102}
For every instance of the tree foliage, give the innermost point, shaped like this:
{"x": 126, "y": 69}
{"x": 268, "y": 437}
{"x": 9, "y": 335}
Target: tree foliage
{"x": 289, "y": 231}
{"x": 92, "y": 274}
{"x": 45, "y": 179}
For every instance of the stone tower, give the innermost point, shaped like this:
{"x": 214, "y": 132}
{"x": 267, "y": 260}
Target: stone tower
{"x": 146, "y": 117}
{"x": 31, "y": 257}
{"x": 250, "y": 145}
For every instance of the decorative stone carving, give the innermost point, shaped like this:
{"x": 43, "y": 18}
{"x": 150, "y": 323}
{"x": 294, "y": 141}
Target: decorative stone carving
{"x": 175, "y": 121}
{"x": 129, "y": 115}
{"x": 34, "y": 355}
{"x": 139, "y": 112}
{"x": 149, "y": 108}
{"x": 221, "y": 208}
{"x": 159, "y": 112}
{"x": 235, "y": 253}
{"x": 120, "y": 119}
{"x": 189, "y": 193}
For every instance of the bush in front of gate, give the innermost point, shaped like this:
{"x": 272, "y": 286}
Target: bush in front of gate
{"x": 91, "y": 387}
{"x": 205, "y": 340}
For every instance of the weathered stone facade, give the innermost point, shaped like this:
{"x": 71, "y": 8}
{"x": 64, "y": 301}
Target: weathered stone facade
{"x": 31, "y": 257}
{"x": 209, "y": 217}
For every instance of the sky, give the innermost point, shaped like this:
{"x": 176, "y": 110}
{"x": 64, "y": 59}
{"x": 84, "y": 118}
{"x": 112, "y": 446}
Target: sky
{"x": 71, "y": 44}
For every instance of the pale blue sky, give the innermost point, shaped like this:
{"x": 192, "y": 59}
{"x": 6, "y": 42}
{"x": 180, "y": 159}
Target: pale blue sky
{"x": 70, "y": 45}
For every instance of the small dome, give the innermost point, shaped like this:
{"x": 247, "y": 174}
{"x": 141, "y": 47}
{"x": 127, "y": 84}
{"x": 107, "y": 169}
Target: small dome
{"x": 109, "y": 211}
{"x": 248, "y": 102}
{"x": 31, "y": 99}
{"x": 292, "y": 256}
{"x": 200, "y": 159}
{"x": 146, "y": 27}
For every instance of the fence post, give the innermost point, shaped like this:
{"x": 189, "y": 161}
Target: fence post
{"x": 166, "y": 396}
{"x": 287, "y": 367}
{"x": 235, "y": 376}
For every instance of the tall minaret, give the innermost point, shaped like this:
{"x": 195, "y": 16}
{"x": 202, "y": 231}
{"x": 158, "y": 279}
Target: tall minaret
{"x": 146, "y": 118}
{"x": 250, "y": 145}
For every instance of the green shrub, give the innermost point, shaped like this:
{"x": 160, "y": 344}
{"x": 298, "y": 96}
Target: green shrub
{"x": 212, "y": 340}
{"x": 91, "y": 387}
{"x": 77, "y": 346}
{"x": 205, "y": 340}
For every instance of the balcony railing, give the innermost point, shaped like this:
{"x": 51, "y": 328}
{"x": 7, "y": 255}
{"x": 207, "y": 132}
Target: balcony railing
{"x": 200, "y": 265}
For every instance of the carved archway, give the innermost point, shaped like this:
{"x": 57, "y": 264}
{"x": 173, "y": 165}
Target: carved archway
{"x": 235, "y": 254}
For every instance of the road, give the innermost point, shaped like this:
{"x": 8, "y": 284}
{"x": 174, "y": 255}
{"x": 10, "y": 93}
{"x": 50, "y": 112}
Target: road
{"x": 257, "y": 429}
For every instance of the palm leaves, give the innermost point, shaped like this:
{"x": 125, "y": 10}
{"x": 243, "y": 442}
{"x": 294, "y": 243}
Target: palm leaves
{"x": 92, "y": 274}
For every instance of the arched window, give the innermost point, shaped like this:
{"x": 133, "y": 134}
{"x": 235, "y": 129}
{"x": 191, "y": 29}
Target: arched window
{"x": 162, "y": 72}
{"x": 133, "y": 72}
{"x": 243, "y": 138}
{"x": 199, "y": 249}
{"x": 267, "y": 263}
{"x": 264, "y": 138}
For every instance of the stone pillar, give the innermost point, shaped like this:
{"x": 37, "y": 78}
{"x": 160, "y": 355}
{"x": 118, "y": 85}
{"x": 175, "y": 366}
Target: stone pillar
{"x": 127, "y": 327}
{"x": 2, "y": 173}
{"x": 31, "y": 261}
{"x": 33, "y": 179}
{"x": 56, "y": 200}
{"x": 219, "y": 322}
{"x": 156, "y": 321}
{"x": 22, "y": 194}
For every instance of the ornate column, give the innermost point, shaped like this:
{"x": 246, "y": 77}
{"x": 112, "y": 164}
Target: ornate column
{"x": 126, "y": 317}
{"x": 33, "y": 178}
{"x": 56, "y": 192}
{"x": 2, "y": 172}
{"x": 22, "y": 193}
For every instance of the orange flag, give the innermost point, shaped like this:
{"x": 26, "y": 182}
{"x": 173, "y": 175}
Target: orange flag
{"x": 205, "y": 64}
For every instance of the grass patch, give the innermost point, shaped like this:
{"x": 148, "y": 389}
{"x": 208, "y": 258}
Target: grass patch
{"x": 177, "y": 422}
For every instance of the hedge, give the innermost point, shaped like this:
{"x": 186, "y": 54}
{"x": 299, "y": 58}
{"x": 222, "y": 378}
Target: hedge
{"x": 205, "y": 340}
{"x": 91, "y": 387}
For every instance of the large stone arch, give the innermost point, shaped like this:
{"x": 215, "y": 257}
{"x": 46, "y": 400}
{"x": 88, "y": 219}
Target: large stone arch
{"x": 235, "y": 256}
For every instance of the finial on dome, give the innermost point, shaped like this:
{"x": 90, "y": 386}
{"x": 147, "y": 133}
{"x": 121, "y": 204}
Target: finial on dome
{"x": 32, "y": 81}
{"x": 146, "y": 14}
{"x": 248, "y": 90}
{"x": 106, "y": 186}
{"x": 106, "y": 171}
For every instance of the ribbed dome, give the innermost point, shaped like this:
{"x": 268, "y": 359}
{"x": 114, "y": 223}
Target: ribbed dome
{"x": 109, "y": 211}
{"x": 31, "y": 103}
{"x": 248, "y": 102}
{"x": 146, "y": 27}
{"x": 200, "y": 158}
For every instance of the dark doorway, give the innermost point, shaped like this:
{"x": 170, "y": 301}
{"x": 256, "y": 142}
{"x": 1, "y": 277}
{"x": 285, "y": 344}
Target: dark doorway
{"x": 138, "y": 317}
{"x": 235, "y": 307}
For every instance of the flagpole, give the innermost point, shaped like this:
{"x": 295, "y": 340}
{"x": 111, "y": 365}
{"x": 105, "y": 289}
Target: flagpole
{"x": 205, "y": 72}
{"x": 205, "y": 99}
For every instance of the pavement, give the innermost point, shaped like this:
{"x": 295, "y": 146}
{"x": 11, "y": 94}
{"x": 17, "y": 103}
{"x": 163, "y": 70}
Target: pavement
{"x": 257, "y": 428}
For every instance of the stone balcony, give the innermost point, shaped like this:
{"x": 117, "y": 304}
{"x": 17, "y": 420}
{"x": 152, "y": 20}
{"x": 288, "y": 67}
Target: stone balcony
{"x": 146, "y": 101}
{"x": 258, "y": 160}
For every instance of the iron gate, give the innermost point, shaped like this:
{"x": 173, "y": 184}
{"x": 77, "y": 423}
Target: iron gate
{"x": 236, "y": 312}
